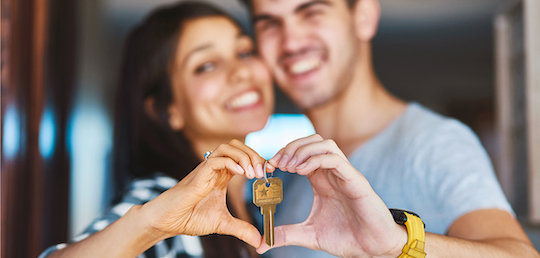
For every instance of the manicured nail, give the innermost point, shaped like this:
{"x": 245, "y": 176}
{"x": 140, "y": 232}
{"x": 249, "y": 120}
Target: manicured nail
{"x": 240, "y": 169}
{"x": 269, "y": 167}
{"x": 301, "y": 166}
{"x": 292, "y": 162}
{"x": 283, "y": 161}
{"x": 260, "y": 172}
{"x": 251, "y": 171}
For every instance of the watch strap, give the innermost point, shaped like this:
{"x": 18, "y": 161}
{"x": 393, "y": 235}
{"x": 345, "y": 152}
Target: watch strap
{"x": 416, "y": 235}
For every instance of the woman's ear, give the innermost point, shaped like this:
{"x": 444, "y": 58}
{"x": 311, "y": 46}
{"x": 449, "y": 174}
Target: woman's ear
{"x": 149, "y": 108}
{"x": 176, "y": 120}
{"x": 366, "y": 18}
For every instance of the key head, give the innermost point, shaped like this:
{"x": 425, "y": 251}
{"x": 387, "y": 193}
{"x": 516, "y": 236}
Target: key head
{"x": 267, "y": 195}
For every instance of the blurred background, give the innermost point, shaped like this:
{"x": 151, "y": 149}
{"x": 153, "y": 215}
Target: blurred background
{"x": 60, "y": 65}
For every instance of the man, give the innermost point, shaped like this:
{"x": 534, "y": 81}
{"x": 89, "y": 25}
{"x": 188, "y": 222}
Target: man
{"x": 319, "y": 52}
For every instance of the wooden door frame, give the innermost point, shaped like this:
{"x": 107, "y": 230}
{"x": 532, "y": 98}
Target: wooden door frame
{"x": 38, "y": 51}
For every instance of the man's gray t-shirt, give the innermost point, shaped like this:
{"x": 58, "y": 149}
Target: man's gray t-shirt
{"x": 422, "y": 162}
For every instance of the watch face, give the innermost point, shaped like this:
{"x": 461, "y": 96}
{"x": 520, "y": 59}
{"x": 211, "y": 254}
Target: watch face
{"x": 400, "y": 217}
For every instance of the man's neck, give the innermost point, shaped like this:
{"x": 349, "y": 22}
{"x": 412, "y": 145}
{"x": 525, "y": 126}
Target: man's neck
{"x": 359, "y": 113}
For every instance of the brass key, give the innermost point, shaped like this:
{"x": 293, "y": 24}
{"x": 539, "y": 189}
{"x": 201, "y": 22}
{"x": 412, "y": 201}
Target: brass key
{"x": 267, "y": 196}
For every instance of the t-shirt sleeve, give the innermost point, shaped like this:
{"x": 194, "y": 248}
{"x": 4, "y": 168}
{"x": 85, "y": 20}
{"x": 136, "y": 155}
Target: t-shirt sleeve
{"x": 460, "y": 177}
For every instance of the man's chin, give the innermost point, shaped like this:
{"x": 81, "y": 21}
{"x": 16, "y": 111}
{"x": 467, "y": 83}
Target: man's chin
{"x": 306, "y": 102}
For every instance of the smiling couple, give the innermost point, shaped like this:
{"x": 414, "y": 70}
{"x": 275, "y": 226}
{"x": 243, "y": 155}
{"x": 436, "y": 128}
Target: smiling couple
{"x": 193, "y": 81}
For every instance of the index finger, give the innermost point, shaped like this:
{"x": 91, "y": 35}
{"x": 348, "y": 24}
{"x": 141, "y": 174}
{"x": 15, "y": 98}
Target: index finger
{"x": 257, "y": 162}
{"x": 284, "y": 155}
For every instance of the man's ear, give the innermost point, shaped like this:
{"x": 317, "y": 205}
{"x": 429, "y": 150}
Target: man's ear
{"x": 366, "y": 18}
{"x": 176, "y": 121}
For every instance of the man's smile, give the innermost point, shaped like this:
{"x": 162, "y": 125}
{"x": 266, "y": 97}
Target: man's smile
{"x": 304, "y": 65}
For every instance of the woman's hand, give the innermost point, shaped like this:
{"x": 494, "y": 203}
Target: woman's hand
{"x": 197, "y": 204}
{"x": 348, "y": 219}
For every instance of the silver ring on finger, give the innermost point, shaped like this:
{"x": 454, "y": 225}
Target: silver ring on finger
{"x": 206, "y": 154}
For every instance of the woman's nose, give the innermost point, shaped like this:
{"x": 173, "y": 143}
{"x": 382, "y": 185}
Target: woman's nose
{"x": 239, "y": 72}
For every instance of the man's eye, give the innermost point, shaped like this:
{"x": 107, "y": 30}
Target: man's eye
{"x": 267, "y": 25}
{"x": 312, "y": 13}
{"x": 206, "y": 67}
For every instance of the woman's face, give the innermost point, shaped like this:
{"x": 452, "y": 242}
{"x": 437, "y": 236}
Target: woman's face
{"x": 221, "y": 89}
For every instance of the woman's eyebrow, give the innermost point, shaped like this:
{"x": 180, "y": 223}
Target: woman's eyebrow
{"x": 240, "y": 34}
{"x": 195, "y": 51}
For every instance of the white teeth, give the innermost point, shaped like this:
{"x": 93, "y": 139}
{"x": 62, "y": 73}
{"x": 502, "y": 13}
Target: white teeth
{"x": 304, "y": 65}
{"x": 245, "y": 100}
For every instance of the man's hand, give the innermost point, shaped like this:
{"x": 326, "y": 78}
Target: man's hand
{"x": 348, "y": 218}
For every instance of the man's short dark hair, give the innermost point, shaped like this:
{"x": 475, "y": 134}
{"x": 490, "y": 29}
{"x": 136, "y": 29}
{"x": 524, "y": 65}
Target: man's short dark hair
{"x": 249, "y": 3}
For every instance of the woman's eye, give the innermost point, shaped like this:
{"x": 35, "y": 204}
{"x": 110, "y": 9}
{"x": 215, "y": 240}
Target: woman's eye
{"x": 246, "y": 54}
{"x": 206, "y": 67}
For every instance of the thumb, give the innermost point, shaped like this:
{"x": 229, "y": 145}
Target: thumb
{"x": 295, "y": 234}
{"x": 242, "y": 230}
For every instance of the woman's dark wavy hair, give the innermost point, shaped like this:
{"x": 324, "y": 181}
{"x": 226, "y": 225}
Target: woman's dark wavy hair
{"x": 143, "y": 143}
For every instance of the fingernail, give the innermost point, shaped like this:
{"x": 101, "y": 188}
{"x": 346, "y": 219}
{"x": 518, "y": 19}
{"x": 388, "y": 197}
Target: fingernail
{"x": 260, "y": 172}
{"x": 301, "y": 166}
{"x": 292, "y": 162}
{"x": 240, "y": 169}
{"x": 251, "y": 171}
{"x": 269, "y": 167}
{"x": 283, "y": 161}
{"x": 275, "y": 158}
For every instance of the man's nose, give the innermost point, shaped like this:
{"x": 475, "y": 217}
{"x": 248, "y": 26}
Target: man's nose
{"x": 293, "y": 37}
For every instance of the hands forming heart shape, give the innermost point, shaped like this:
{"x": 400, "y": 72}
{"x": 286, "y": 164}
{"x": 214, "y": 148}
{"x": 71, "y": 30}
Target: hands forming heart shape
{"x": 344, "y": 221}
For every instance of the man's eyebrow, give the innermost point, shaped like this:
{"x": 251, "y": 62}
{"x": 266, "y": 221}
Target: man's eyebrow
{"x": 261, "y": 17}
{"x": 300, "y": 8}
{"x": 307, "y": 5}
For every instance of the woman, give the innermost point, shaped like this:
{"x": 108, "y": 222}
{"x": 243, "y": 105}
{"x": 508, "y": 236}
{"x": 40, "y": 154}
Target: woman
{"x": 190, "y": 83}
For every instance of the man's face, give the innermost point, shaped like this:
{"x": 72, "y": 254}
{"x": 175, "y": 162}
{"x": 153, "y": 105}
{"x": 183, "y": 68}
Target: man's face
{"x": 309, "y": 45}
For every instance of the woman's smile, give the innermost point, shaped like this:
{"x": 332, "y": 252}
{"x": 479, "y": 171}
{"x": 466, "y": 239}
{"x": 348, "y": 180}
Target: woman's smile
{"x": 248, "y": 99}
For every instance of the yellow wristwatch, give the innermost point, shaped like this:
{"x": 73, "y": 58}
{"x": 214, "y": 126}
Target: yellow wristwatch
{"x": 416, "y": 235}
